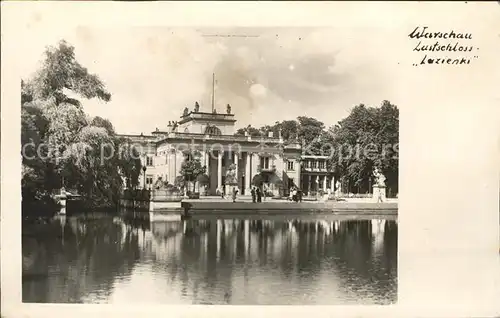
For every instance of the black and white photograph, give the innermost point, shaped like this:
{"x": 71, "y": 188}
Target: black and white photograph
{"x": 253, "y": 158}
{"x": 239, "y": 166}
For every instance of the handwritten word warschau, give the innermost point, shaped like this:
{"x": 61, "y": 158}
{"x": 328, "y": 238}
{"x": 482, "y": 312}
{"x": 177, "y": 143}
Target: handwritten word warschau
{"x": 423, "y": 33}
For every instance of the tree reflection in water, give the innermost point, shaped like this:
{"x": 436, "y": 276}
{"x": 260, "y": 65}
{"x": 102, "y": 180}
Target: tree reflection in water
{"x": 216, "y": 261}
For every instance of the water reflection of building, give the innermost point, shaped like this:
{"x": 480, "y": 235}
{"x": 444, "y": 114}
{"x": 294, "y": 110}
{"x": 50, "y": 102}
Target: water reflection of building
{"x": 210, "y": 261}
{"x": 227, "y": 253}
{"x": 255, "y": 236}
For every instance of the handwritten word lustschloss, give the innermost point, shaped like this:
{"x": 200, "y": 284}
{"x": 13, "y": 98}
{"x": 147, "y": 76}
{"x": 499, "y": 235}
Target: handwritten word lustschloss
{"x": 436, "y": 44}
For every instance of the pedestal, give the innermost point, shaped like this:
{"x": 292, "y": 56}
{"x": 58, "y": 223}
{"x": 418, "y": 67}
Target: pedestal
{"x": 379, "y": 193}
{"x": 229, "y": 190}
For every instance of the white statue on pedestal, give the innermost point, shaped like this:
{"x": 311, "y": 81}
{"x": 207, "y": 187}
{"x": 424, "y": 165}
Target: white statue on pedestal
{"x": 379, "y": 186}
{"x": 337, "y": 188}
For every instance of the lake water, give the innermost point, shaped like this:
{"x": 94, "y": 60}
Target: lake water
{"x": 319, "y": 260}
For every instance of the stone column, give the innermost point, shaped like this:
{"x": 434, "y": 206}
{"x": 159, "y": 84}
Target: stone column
{"x": 219, "y": 169}
{"x": 332, "y": 184}
{"x": 324, "y": 183}
{"x": 236, "y": 157}
{"x": 248, "y": 177}
{"x": 255, "y": 163}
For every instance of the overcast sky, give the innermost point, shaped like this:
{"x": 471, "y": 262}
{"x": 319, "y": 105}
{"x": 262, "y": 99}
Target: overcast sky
{"x": 266, "y": 74}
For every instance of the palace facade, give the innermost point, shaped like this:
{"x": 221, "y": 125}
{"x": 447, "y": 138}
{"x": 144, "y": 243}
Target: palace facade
{"x": 213, "y": 136}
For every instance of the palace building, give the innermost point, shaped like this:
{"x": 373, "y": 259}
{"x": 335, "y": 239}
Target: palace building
{"x": 212, "y": 135}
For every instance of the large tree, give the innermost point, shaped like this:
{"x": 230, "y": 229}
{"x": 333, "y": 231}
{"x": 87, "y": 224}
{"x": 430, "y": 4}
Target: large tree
{"x": 367, "y": 138}
{"x": 59, "y": 74}
{"x": 61, "y": 145}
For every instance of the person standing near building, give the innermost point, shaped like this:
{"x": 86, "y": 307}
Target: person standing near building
{"x": 259, "y": 194}
{"x": 253, "y": 194}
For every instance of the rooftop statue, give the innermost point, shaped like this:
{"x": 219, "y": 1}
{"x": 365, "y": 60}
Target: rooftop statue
{"x": 196, "y": 107}
{"x": 228, "y": 109}
{"x": 186, "y": 111}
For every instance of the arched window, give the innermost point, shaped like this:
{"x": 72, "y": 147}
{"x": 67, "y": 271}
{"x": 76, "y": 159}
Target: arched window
{"x": 212, "y": 130}
{"x": 186, "y": 130}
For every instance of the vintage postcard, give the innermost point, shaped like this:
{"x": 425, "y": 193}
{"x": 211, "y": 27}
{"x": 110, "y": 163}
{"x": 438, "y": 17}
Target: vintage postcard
{"x": 336, "y": 154}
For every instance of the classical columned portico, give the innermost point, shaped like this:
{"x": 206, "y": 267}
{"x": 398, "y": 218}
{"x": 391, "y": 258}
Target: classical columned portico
{"x": 245, "y": 163}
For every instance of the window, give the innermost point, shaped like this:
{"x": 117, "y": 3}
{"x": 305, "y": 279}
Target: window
{"x": 290, "y": 165}
{"x": 322, "y": 165}
{"x": 149, "y": 181}
{"x": 313, "y": 164}
{"x": 149, "y": 161}
{"x": 264, "y": 162}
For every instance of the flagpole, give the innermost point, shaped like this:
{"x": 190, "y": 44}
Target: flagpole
{"x": 213, "y": 92}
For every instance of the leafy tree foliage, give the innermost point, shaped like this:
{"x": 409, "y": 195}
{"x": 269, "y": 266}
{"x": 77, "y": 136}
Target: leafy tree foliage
{"x": 254, "y": 132}
{"x": 128, "y": 161}
{"x": 61, "y": 145}
{"x": 60, "y": 73}
{"x": 367, "y": 138}
{"x": 104, "y": 123}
